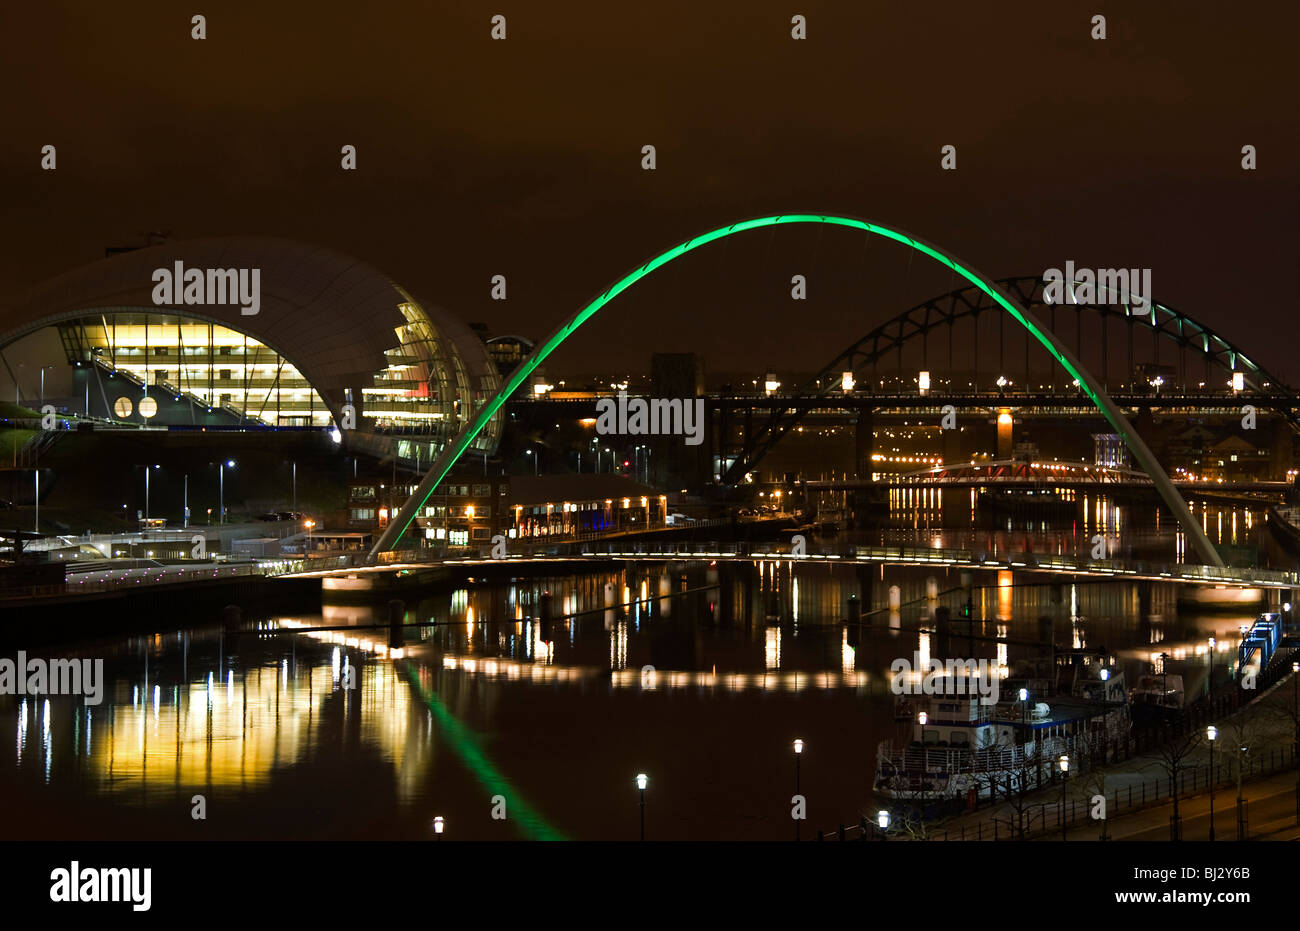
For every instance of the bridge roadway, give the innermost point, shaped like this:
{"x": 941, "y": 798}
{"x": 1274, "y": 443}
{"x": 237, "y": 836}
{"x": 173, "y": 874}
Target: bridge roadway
{"x": 1070, "y": 402}
{"x": 817, "y": 554}
{"x": 1102, "y": 484}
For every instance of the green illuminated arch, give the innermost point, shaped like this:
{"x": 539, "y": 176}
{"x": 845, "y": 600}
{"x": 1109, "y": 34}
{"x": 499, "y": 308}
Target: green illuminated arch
{"x": 1141, "y": 453}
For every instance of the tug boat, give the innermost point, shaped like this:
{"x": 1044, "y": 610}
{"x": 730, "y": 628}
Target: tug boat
{"x": 968, "y": 750}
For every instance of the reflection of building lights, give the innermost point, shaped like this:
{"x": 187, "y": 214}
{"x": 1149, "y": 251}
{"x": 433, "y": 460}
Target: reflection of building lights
{"x": 772, "y": 647}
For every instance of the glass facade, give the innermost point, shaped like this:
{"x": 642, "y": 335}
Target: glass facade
{"x": 211, "y": 364}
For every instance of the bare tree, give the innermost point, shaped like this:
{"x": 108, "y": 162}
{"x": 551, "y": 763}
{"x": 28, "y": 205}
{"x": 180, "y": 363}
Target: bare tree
{"x": 1286, "y": 712}
{"x": 1244, "y": 733}
{"x": 1172, "y": 758}
{"x": 1092, "y": 785}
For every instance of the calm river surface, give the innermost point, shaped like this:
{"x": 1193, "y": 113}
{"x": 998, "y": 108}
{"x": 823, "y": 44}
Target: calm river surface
{"x": 474, "y": 707}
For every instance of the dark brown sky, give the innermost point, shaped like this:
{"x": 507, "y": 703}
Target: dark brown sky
{"x": 522, "y": 157}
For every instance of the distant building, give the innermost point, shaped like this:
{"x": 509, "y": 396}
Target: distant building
{"x": 672, "y": 463}
{"x": 464, "y": 509}
{"x": 507, "y": 352}
{"x": 1235, "y": 460}
{"x": 568, "y": 505}
{"x": 1109, "y": 451}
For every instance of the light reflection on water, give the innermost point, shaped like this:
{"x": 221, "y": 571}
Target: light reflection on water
{"x": 701, "y": 680}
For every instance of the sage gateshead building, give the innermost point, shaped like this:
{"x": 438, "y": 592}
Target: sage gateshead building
{"x": 248, "y": 333}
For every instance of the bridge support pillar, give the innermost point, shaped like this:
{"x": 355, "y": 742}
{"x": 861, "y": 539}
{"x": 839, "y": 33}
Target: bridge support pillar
{"x": 1282, "y": 451}
{"x": 1144, "y": 600}
{"x": 943, "y": 632}
{"x": 1006, "y": 442}
{"x": 864, "y": 442}
{"x": 396, "y": 617}
{"x": 866, "y": 587}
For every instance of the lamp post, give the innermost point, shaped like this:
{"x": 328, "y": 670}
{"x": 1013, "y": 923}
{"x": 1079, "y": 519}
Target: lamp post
{"x": 1295, "y": 715}
{"x": 309, "y": 523}
{"x": 882, "y": 822}
{"x": 529, "y": 452}
{"x": 1212, "y": 734}
{"x": 798, "y": 753}
{"x": 438, "y": 826}
{"x": 1065, "y": 774}
{"x": 1209, "y": 673}
{"x": 146, "y": 490}
{"x": 294, "y": 463}
{"x": 641, "y": 781}
{"x": 1024, "y": 738}
{"x": 221, "y": 492}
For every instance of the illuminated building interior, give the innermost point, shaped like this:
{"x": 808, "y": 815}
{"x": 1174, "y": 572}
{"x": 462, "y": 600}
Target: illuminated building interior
{"x": 423, "y": 394}
{"x": 210, "y": 364}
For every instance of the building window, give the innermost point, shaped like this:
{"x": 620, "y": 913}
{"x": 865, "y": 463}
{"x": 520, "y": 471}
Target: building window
{"x": 363, "y": 513}
{"x": 224, "y": 374}
{"x": 481, "y": 491}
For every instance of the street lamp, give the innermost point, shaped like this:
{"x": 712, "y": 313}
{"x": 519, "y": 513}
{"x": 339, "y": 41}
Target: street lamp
{"x": 1209, "y": 673}
{"x": 1024, "y": 743}
{"x": 1295, "y": 715}
{"x": 221, "y": 500}
{"x": 309, "y": 523}
{"x": 43, "y": 368}
{"x": 1065, "y": 774}
{"x": 146, "y": 490}
{"x": 641, "y": 781}
{"x": 438, "y": 826}
{"x": 529, "y": 452}
{"x": 882, "y": 822}
{"x": 1212, "y": 734}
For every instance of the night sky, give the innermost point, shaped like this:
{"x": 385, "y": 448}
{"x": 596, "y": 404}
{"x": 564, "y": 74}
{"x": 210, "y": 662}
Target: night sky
{"x": 523, "y": 157}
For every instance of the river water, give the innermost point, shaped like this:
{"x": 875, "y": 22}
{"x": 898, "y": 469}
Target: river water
{"x": 699, "y": 676}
